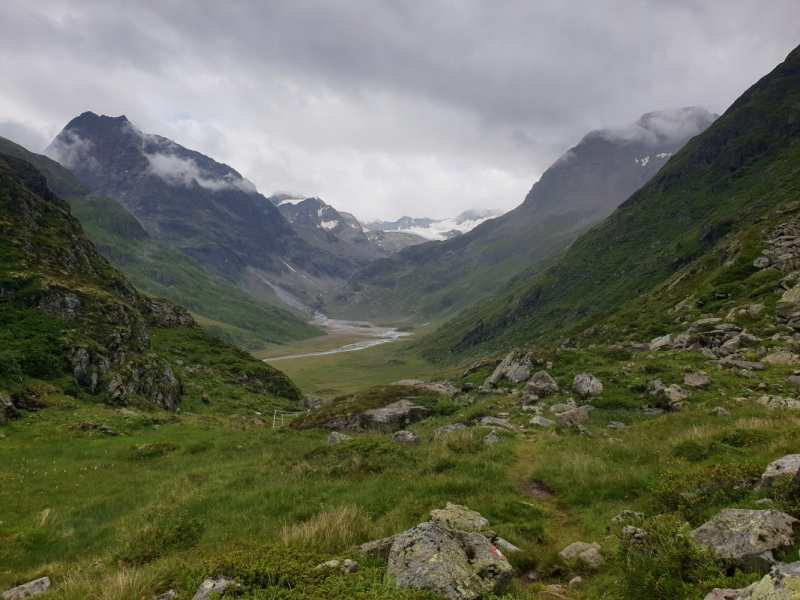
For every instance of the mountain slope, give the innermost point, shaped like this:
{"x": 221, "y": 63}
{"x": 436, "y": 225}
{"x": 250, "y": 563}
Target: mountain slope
{"x": 709, "y": 196}
{"x": 158, "y": 270}
{"x": 70, "y": 318}
{"x": 203, "y": 208}
{"x": 437, "y": 280}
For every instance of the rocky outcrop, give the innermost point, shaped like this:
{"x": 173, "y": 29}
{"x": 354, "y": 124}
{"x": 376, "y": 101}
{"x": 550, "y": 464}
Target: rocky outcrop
{"x": 586, "y": 385}
{"x": 516, "y": 367}
{"x": 8, "y": 410}
{"x": 26, "y": 590}
{"x": 541, "y": 421}
{"x": 778, "y": 402}
{"x": 787, "y": 465}
{"x": 391, "y": 417}
{"x": 148, "y": 376}
{"x": 699, "y": 380}
{"x": 312, "y": 402}
{"x": 166, "y": 315}
{"x": 444, "y": 389}
{"x": 454, "y": 564}
{"x": 574, "y": 417}
{"x": 748, "y": 537}
{"x": 448, "y": 429}
{"x": 782, "y": 358}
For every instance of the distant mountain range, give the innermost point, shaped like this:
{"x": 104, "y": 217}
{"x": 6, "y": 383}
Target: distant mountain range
{"x": 432, "y": 229}
{"x": 581, "y": 188}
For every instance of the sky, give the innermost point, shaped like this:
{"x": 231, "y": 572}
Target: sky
{"x": 386, "y": 108}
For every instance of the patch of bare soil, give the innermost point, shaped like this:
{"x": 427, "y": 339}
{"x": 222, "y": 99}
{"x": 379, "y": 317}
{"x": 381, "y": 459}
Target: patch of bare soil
{"x": 536, "y": 488}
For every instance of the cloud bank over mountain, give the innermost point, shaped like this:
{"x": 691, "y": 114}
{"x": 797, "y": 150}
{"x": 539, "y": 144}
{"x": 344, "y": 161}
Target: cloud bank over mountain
{"x": 384, "y": 109}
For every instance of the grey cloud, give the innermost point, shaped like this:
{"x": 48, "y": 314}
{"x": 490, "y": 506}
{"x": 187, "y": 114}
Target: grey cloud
{"x": 184, "y": 171}
{"x": 26, "y": 136}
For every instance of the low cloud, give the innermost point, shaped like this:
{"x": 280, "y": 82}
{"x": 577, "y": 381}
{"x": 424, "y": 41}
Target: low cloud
{"x": 178, "y": 171}
{"x": 70, "y": 150}
{"x": 664, "y": 126}
{"x": 22, "y": 134}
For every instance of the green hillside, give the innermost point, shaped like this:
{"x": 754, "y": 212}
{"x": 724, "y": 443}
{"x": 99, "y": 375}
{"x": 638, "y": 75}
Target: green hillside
{"x": 156, "y": 269}
{"x": 708, "y": 196}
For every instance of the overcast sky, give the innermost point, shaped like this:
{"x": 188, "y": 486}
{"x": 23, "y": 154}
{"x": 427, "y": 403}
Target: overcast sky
{"x": 418, "y": 107}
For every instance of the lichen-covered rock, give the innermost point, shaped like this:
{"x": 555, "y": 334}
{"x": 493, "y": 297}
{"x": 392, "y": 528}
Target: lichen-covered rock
{"x": 26, "y": 590}
{"x": 541, "y": 385}
{"x": 629, "y": 515}
{"x": 718, "y": 411}
{"x": 748, "y": 537}
{"x": 697, "y": 380}
{"x": 781, "y": 583}
{"x": 494, "y": 422}
{"x": 571, "y": 553}
{"x": 574, "y": 417}
{"x": 378, "y": 548}
{"x": 781, "y": 358}
{"x": 406, "y": 437}
{"x": 336, "y": 438}
{"x": 541, "y": 421}
{"x": 391, "y": 417}
{"x": 789, "y": 304}
{"x": 222, "y": 586}
{"x": 662, "y": 342}
{"x": 586, "y": 385}
{"x": 312, "y": 402}
{"x": 457, "y": 516}
{"x": 559, "y": 407}
{"x": 456, "y": 565}
{"x": 516, "y": 367}
{"x": 778, "y": 402}
{"x": 447, "y": 429}
{"x": 786, "y": 465}
{"x": 591, "y": 559}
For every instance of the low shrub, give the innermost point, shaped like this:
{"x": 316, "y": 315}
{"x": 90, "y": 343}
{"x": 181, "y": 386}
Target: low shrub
{"x": 163, "y": 532}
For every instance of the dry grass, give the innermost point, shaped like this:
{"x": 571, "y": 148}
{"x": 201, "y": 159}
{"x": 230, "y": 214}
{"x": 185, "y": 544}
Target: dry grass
{"x": 328, "y": 532}
{"x": 43, "y": 516}
{"x": 123, "y": 584}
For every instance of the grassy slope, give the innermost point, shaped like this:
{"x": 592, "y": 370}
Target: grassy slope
{"x": 722, "y": 182}
{"x": 159, "y": 271}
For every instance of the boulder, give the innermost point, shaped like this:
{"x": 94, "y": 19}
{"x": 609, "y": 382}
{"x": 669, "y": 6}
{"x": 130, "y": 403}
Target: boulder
{"x": 221, "y": 586}
{"x": 394, "y": 416}
{"x": 616, "y": 425}
{"x": 516, "y": 367}
{"x": 781, "y": 583}
{"x": 789, "y": 304}
{"x": 449, "y": 429}
{"x": 747, "y": 537}
{"x": 312, "y": 403}
{"x": 107, "y": 430}
{"x": 574, "y": 417}
{"x": 457, "y": 516}
{"x": 781, "y": 358}
{"x": 335, "y": 437}
{"x": 467, "y": 387}
{"x": 732, "y": 363}
{"x": 494, "y": 422}
{"x": 453, "y": 564}
{"x": 559, "y": 408}
{"x": 673, "y": 393}
{"x": 718, "y": 411}
{"x": 787, "y": 465}
{"x": 541, "y": 385}
{"x": 629, "y": 515}
{"x": 406, "y": 437}
{"x": 505, "y": 546}
{"x": 778, "y": 402}
{"x": 541, "y": 421}
{"x": 379, "y": 548}
{"x": 654, "y": 387}
{"x": 493, "y": 438}
{"x": 591, "y": 559}
{"x": 26, "y": 590}
{"x": 571, "y": 553}
{"x": 793, "y": 380}
{"x": 586, "y": 385}
{"x": 82, "y": 426}
{"x": 697, "y": 380}
{"x": 661, "y": 342}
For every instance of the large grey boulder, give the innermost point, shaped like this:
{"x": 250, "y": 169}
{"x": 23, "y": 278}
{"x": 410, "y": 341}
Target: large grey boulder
{"x": 748, "y": 537}
{"x": 453, "y": 564}
{"x": 787, "y": 465}
{"x": 574, "y": 417}
{"x": 541, "y": 385}
{"x": 586, "y": 385}
{"x": 541, "y": 421}
{"x": 781, "y": 358}
{"x": 516, "y": 367}
{"x": 662, "y": 342}
{"x": 221, "y": 586}
{"x": 457, "y": 516}
{"x": 394, "y": 416}
{"x": 571, "y": 553}
{"x": 781, "y": 583}
{"x": 494, "y": 422}
{"x": 789, "y": 304}
{"x": 26, "y": 590}
{"x": 493, "y": 438}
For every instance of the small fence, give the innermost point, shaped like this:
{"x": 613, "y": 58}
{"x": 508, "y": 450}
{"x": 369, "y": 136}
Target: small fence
{"x": 281, "y": 418}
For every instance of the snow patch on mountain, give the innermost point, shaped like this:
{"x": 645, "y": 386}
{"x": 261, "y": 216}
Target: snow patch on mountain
{"x": 431, "y": 229}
